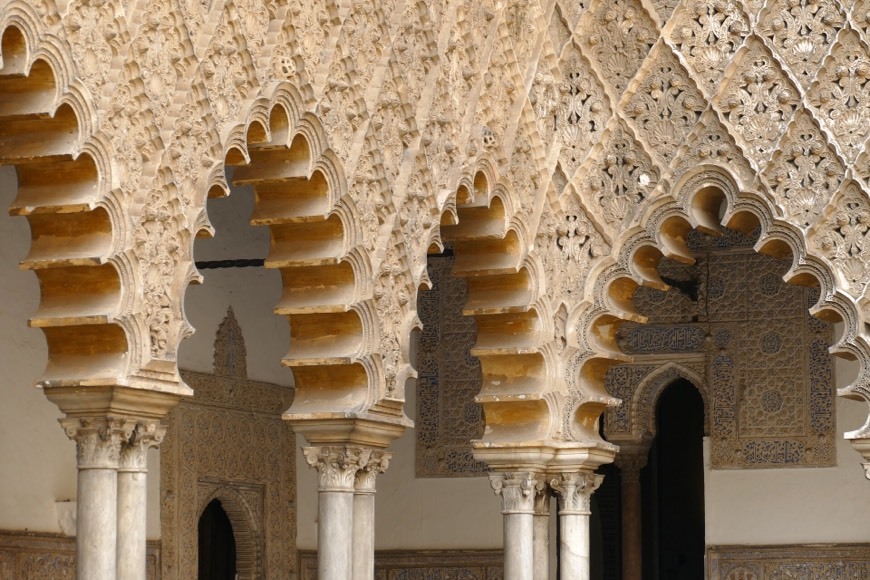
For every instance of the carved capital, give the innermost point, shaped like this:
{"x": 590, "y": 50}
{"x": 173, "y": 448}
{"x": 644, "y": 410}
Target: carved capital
{"x": 542, "y": 499}
{"x": 98, "y": 440}
{"x": 630, "y": 465}
{"x": 517, "y": 491}
{"x": 575, "y": 491}
{"x": 134, "y": 451}
{"x": 337, "y": 465}
{"x": 378, "y": 462}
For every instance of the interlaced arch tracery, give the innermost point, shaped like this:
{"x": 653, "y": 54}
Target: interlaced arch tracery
{"x": 563, "y": 148}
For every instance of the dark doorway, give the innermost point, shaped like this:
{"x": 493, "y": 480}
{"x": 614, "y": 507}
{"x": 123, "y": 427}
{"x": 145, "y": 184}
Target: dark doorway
{"x": 217, "y": 545}
{"x": 673, "y": 488}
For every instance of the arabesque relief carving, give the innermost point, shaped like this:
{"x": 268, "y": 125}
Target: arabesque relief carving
{"x": 229, "y": 443}
{"x": 767, "y": 387}
{"x": 656, "y": 116}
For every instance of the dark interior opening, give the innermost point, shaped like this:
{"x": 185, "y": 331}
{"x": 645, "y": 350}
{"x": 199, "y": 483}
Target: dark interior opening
{"x": 217, "y": 545}
{"x": 673, "y": 488}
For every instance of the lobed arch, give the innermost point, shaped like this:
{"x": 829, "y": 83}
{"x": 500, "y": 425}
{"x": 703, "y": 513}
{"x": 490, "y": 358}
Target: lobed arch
{"x": 301, "y": 195}
{"x": 514, "y": 320}
{"x": 706, "y": 198}
{"x": 77, "y": 223}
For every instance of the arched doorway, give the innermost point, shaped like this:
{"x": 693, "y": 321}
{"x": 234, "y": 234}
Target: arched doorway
{"x": 217, "y": 544}
{"x": 672, "y": 486}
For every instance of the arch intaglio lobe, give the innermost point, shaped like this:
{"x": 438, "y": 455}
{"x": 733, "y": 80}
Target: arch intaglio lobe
{"x": 559, "y": 149}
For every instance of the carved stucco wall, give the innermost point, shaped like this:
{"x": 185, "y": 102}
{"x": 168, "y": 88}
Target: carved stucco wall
{"x": 229, "y": 443}
{"x": 831, "y": 562}
{"x": 765, "y": 375}
{"x": 29, "y": 555}
{"x": 747, "y": 342}
{"x": 582, "y": 115}
{"x": 424, "y": 565}
{"x": 448, "y": 418}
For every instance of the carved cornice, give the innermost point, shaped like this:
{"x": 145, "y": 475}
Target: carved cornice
{"x": 517, "y": 491}
{"x": 575, "y": 491}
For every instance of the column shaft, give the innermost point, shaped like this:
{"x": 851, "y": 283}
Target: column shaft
{"x": 517, "y": 491}
{"x": 630, "y": 464}
{"x": 98, "y": 448}
{"x": 575, "y": 495}
{"x": 96, "y": 524}
{"x": 519, "y": 554}
{"x": 574, "y": 546}
{"x": 632, "y": 540}
{"x": 345, "y": 547}
{"x": 132, "y": 519}
{"x": 364, "y": 536}
{"x": 542, "y": 535}
{"x": 364, "y": 514}
{"x": 334, "y": 534}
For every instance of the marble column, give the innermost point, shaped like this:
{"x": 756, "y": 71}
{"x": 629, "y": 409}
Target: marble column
{"x": 630, "y": 465}
{"x": 517, "y": 492}
{"x": 98, "y": 448}
{"x": 364, "y": 515}
{"x": 542, "y": 533}
{"x": 132, "y": 495}
{"x": 575, "y": 494}
{"x": 337, "y": 467}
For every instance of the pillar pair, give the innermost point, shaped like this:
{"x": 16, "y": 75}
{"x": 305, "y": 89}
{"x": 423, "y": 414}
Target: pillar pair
{"x": 346, "y": 509}
{"x": 111, "y": 515}
{"x": 525, "y": 505}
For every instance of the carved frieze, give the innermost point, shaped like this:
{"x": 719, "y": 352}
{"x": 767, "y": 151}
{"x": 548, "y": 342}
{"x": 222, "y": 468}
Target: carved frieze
{"x": 665, "y": 105}
{"x": 708, "y": 34}
{"x": 758, "y": 100}
{"x": 621, "y": 179}
{"x": 804, "y": 173}
{"x": 832, "y": 562}
{"x": 801, "y": 32}
{"x": 53, "y": 557}
{"x": 413, "y": 564}
{"x": 617, "y": 35}
{"x": 841, "y": 93}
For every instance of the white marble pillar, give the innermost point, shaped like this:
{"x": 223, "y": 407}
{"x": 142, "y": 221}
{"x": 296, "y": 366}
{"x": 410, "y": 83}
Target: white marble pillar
{"x": 364, "y": 515}
{"x": 337, "y": 467}
{"x": 517, "y": 492}
{"x": 542, "y": 533}
{"x": 575, "y": 493}
{"x": 132, "y": 496}
{"x": 98, "y": 448}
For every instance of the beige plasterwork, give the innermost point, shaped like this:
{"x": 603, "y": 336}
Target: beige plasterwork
{"x": 625, "y": 123}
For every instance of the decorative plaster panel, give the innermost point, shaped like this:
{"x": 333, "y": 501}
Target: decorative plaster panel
{"x": 424, "y": 565}
{"x": 229, "y": 443}
{"x": 52, "y": 557}
{"x": 449, "y": 378}
{"x": 761, "y": 360}
{"x": 831, "y": 562}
